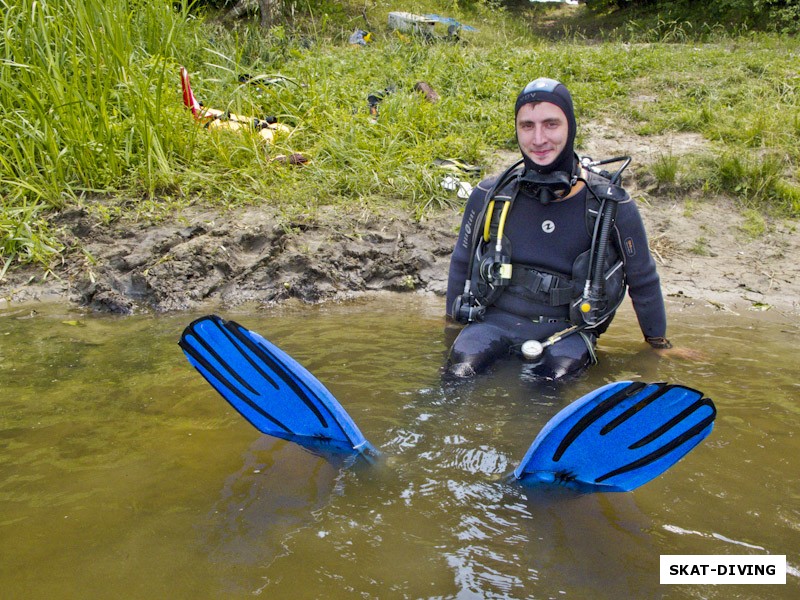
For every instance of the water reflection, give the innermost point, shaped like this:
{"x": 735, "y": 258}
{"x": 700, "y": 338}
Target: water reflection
{"x": 609, "y": 547}
{"x": 277, "y": 490}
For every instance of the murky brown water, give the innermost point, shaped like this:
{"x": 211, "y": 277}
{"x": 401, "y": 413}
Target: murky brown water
{"x": 123, "y": 474}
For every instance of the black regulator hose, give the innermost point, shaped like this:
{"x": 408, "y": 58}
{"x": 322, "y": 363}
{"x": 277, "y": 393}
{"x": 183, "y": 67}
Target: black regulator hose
{"x": 609, "y": 197}
{"x": 598, "y": 277}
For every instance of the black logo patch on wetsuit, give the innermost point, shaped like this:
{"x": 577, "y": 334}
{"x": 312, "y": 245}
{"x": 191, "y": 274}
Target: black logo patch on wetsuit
{"x": 630, "y": 248}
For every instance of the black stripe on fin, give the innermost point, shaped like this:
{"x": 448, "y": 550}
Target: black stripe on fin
{"x": 657, "y": 433}
{"x": 209, "y": 349}
{"x": 226, "y": 382}
{"x": 693, "y": 431}
{"x": 231, "y": 336}
{"x": 644, "y": 402}
{"x": 279, "y": 369}
{"x": 594, "y": 414}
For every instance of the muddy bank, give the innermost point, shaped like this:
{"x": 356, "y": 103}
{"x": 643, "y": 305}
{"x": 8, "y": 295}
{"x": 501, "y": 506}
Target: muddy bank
{"x": 704, "y": 252}
{"x": 254, "y": 255}
{"x": 249, "y": 255}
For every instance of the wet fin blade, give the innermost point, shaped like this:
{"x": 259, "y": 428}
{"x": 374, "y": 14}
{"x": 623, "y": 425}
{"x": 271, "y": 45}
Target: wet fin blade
{"x": 270, "y": 389}
{"x": 618, "y": 437}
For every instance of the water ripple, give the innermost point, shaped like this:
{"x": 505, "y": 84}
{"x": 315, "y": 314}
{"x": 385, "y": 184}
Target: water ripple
{"x": 716, "y": 536}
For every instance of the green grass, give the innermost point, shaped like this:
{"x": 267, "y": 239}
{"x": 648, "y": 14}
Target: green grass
{"x": 754, "y": 225}
{"x": 665, "y": 169}
{"x": 92, "y": 116}
{"x": 700, "y": 247}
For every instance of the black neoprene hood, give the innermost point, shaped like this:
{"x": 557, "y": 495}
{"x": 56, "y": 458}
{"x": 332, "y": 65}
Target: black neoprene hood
{"x": 555, "y": 92}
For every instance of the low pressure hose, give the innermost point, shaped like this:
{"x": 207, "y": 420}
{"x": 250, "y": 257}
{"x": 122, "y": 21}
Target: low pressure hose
{"x": 598, "y": 278}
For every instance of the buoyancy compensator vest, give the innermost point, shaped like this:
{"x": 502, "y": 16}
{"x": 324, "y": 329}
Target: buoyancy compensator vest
{"x": 596, "y": 285}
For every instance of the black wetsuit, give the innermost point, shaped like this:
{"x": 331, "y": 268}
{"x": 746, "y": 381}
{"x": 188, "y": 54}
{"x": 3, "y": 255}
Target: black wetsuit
{"x": 548, "y": 237}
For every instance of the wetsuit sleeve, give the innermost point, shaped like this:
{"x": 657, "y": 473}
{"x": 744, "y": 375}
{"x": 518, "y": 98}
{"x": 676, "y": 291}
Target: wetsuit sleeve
{"x": 644, "y": 285}
{"x": 459, "y": 261}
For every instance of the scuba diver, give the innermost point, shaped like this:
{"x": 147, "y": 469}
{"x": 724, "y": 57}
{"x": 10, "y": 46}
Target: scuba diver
{"x": 546, "y": 252}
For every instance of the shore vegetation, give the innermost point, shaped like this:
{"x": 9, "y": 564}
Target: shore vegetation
{"x": 93, "y": 118}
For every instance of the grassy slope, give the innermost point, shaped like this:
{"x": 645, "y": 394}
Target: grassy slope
{"x": 96, "y": 119}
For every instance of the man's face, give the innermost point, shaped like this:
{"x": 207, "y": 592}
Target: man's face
{"x": 542, "y": 132}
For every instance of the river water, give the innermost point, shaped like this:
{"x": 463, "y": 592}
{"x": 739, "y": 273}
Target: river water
{"x": 123, "y": 473}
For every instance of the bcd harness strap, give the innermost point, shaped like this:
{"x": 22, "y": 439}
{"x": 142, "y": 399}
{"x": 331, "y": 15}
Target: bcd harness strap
{"x": 554, "y": 290}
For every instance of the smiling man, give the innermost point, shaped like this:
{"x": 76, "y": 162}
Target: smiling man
{"x": 542, "y": 132}
{"x": 546, "y": 128}
{"x": 528, "y": 251}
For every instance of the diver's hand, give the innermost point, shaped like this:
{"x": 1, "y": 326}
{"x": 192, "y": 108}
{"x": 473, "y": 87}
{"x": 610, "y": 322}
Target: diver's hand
{"x": 659, "y": 343}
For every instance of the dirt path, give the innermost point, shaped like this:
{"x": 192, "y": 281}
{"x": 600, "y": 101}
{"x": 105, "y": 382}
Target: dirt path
{"x": 704, "y": 256}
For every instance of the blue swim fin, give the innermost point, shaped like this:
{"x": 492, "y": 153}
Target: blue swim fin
{"x": 275, "y": 393}
{"x": 618, "y": 437}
